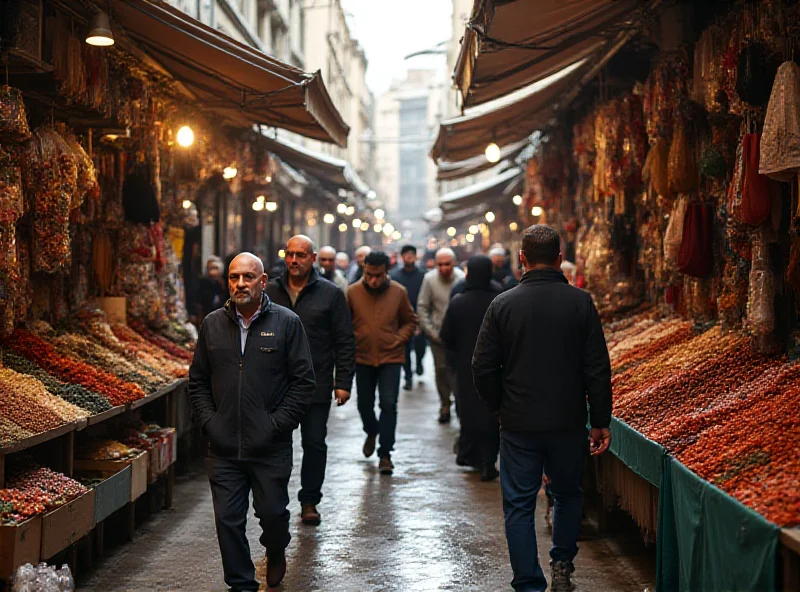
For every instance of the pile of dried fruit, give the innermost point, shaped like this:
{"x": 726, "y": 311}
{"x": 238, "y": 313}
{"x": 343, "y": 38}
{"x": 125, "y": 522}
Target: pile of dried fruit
{"x": 105, "y": 450}
{"x": 16, "y": 506}
{"x": 11, "y": 433}
{"x": 46, "y": 486}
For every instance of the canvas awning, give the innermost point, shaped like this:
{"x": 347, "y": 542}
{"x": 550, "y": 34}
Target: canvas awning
{"x": 479, "y": 193}
{"x": 509, "y": 44}
{"x": 507, "y": 121}
{"x": 228, "y": 78}
{"x": 449, "y": 171}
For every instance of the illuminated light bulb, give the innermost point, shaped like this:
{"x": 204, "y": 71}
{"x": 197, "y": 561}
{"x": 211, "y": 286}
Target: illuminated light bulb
{"x": 229, "y": 172}
{"x": 271, "y": 206}
{"x": 364, "y": 226}
{"x": 388, "y": 229}
{"x": 356, "y": 223}
{"x": 492, "y": 153}
{"x": 397, "y": 235}
{"x": 474, "y": 229}
{"x": 282, "y": 254}
{"x": 341, "y": 208}
{"x": 185, "y": 136}
{"x": 268, "y": 179}
{"x": 470, "y": 238}
{"x": 186, "y": 204}
{"x": 536, "y": 211}
{"x": 379, "y": 213}
{"x": 517, "y": 199}
{"x": 350, "y": 210}
{"x": 451, "y": 231}
{"x": 311, "y": 221}
{"x": 100, "y": 34}
{"x": 328, "y": 219}
{"x": 261, "y": 198}
{"x": 342, "y": 227}
{"x": 490, "y": 217}
{"x": 258, "y": 206}
{"x": 378, "y": 227}
{"x": 513, "y": 226}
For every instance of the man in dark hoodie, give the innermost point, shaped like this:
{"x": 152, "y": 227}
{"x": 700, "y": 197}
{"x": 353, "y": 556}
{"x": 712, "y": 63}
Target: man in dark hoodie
{"x": 541, "y": 355}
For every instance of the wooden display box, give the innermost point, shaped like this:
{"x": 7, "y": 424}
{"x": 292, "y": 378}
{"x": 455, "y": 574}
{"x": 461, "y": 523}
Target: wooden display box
{"x": 138, "y": 464}
{"x": 19, "y": 545}
{"x": 112, "y": 494}
{"x": 67, "y": 525}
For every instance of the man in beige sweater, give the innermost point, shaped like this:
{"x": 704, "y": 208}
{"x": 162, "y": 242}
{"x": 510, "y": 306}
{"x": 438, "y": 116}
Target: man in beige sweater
{"x": 383, "y": 321}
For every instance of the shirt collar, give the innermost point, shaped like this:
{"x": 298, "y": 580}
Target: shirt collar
{"x": 261, "y": 308}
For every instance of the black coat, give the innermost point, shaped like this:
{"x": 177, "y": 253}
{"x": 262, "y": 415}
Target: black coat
{"x": 540, "y": 354}
{"x": 322, "y": 307}
{"x": 411, "y": 281}
{"x": 248, "y": 404}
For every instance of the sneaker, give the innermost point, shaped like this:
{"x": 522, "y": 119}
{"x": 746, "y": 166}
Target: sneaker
{"x": 560, "y": 572}
{"x": 369, "y": 446}
{"x": 309, "y": 515}
{"x": 385, "y": 466}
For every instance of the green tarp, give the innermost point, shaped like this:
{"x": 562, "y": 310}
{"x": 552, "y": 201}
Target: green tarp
{"x": 644, "y": 457}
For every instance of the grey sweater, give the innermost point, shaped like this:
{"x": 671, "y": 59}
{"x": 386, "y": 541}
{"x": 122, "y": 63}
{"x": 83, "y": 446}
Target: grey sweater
{"x": 434, "y": 296}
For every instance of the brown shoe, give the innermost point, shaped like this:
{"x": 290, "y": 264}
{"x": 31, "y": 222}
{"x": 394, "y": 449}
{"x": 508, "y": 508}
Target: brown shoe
{"x": 276, "y": 568}
{"x": 385, "y": 466}
{"x": 369, "y": 445}
{"x": 310, "y": 516}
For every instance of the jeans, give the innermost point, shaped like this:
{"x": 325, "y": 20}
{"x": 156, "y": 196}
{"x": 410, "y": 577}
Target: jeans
{"x": 314, "y": 429}
{"x": 418, "y": 343}
{"x": 386, "y": 378}
{"x": 231, "y": 482}
{"x": 522, "y": 459}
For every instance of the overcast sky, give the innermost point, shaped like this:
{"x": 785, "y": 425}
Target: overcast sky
{"x": 389, "y": 30}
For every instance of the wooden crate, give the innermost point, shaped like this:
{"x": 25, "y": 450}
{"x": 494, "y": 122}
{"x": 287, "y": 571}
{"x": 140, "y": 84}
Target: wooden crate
{"x": 19, "y": 545}
{"x": 138, "y": 464}
{"x": 68, "y": 524}
{"x": 112, "y": 494}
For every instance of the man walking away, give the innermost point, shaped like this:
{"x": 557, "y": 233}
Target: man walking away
{"x": 503, "y": 273}
{"x": 327, "y": 266}
{"x": 322, "y": 308}
{"x": 540, "y": 355}
{"x": 410, "y": 277}
{"x": 357, "y": 267}
{"x": 384, "y": 322}
{"x": 250, "y": 383}
{"x": 434, "y": 297}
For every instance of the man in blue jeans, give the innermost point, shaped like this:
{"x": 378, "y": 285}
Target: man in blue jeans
{"x": 383, "y": 321}
{"x": 541, "y": 355}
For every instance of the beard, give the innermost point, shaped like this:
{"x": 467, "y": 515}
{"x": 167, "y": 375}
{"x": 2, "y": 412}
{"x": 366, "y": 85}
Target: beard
{"x": 242, "y": 299}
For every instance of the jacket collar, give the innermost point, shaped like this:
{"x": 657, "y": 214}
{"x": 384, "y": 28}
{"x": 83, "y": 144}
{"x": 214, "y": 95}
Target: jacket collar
{"x": 230, "y": 307}
{"x": 283, "y": 280}
{"x": 543, "y": 275}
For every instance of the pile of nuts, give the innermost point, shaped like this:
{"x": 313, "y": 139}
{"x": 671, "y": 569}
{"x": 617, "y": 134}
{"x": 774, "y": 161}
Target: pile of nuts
{"x": 11, "y": 433}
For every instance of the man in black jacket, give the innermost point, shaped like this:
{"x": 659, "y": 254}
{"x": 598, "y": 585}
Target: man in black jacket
{"x": 326, "y": 317}
{"x": 540, "y": 355}
{"x": 410, "y": 277}
{"x": 250, "y": 383}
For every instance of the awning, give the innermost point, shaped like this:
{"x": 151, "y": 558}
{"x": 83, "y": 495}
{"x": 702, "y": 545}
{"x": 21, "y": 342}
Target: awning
{"x": 228, "y": 78}
{"x": 479, "y": 193}
{"x": 507, "y": 121}
{"x": 449, "y": 171}
{"x": 333, "y": 172}
{"x": 510, "y": 44}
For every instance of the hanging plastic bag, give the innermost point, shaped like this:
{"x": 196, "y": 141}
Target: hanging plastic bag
{"x": 674, "y": 232}
{"x": 13, "y": 121}
{"x": 696, "y": 254}
{"x": 756, "y": 200}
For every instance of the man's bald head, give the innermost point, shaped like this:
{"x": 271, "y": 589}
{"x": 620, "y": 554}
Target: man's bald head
{"x": 300, "y": 258}
{"x": 361, "y": 254}
{"x": 445, "y": 261}
{"x": 327, "y": 260}
{"x": 299, "y": 240}
{"x": 249, "y": 259}
{"x": 329, "y": 252}
{"x": 246, "y": 282}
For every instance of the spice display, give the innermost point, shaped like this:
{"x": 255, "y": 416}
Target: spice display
{"x": 13, "y": 121}
{"x": 173, "y": 364}
{"x": 10, "y": 432}
{"x": 49, "y": 487}
{"x": 105, "y": 450}
{"x": 16, "y": 506}
{"x": 35, "y": 391}
{"x": 162, "y": 342}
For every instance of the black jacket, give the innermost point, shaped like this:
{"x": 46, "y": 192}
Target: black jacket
{"x": 411, "y": 281}
{"x": 322, "y": 307}
{"x": 248, "y": 404}
{"x": 540, "y": 354}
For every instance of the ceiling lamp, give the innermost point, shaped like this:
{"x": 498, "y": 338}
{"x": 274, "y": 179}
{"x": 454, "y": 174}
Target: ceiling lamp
{"x": 341, "y": 208}
{"x": 451, "y": 231}
{"x": 517, "y": 199}
{"x": 536, "y": 211}
{"x": 186, "y": 204}
{"x": 350, "y": 210}
{"x": 470, "y": 238}
{"x": 490, "y": 217}
{"x": 229, "y": 172}
{"x": 379, "y": 213}
{"x": 271, "y": 206}
{"x": 342, "y": 227}
{"x": 100, "y": 34}
{"x": 356, "y": 223}
{"x": 492, "y": 153}
{"x": 328, "y": 219}
{"x": 513, "y": 227}
{"x": 185, "y": 136}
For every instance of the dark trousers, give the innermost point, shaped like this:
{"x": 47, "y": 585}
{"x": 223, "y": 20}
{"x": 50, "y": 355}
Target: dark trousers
{"x": 418, "y": 344}
{"x": 522, "y": 459}
{"x": 231, "y": 483}
{"x": 445, "y": 377}
{"x": 314, "y": 430}
{"x": 386, "y": 378}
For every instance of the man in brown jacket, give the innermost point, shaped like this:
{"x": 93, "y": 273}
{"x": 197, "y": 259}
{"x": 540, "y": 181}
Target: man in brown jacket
{"x": 383, "y": 321}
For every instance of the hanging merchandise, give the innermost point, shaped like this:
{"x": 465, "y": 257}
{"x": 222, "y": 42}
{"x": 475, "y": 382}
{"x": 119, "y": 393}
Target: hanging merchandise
{"x": 712, "y": 164}
{"x": 755, "y": 73}
{"x": 673, "y": 236}
{"x": 760, "y": 303}
{"x": 755, "y": 186}
{"x": 780, "y": 142}
{"x": 683, "y": 177}
{"x": 656, "y": 168}
{"x": 13, "y": 121}
{"x": 696, "y": 255}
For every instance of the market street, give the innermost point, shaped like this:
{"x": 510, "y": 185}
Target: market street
{"x": 430, "y": 526}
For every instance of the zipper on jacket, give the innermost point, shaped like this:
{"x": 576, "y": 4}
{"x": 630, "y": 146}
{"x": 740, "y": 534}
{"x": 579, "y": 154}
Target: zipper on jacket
{"x": 241, "y": 367}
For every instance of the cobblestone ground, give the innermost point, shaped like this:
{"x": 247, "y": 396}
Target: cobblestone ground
{"x": 430, "y": 526}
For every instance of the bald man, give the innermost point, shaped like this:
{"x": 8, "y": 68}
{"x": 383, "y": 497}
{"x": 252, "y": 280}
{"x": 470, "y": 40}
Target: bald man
{"x": 327, "y": 265}
{"x": 357, "y": 270}
{"x": 323, "y": 309}
{"x": 434, "y": 297}
{"x": 250, "y": 383}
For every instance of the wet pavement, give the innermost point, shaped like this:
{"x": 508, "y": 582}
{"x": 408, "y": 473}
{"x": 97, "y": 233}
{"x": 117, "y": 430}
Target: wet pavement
{"x": 430, "y": 526}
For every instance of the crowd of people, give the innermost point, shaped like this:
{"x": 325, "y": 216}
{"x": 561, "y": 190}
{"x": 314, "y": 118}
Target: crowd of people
{"x": 275, "y": 349}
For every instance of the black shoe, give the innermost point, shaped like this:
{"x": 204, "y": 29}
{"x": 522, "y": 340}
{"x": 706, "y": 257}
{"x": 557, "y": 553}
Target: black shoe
{"x": 276, "y": 568}
{"x": 407, "y": 386}
{"x": 420, "y": 369}
{"x": 369, "y": 446}
{"x": 489, "y": 473}
{"x": 444, "y": 417}
{"x": 560, "y": 572}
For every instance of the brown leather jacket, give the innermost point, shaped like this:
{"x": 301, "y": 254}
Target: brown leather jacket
{"x": 383, "y": 323}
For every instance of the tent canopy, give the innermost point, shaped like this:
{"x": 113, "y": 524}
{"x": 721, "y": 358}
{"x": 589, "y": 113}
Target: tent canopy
{"x": 510, "y": 44}
{"x": 449, "y": 171}
{"x": 231, "y": 79}
{"x": 480, "y": 193}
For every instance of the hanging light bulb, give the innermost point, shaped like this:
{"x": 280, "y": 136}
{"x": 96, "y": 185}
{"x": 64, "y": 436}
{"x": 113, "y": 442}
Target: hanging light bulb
{"x": 388, "y": 229}
{"x": 342, "y": 227}
{"x": 490, "y": 217}
{"x": 282, "y": 254}
{"x": 229, "y": 172}
{"x": 186, "y": 204}
{"x": 470, "y": 238}
{"x": 451, "y": 231}
{"x": 261, "y": 198}
{"x": 258, "y": 205}
{"x": 350, "y": 210}
{"x": 328, "y": 219}
{"x": 185, "y": 136}
{"x": 378, "y": 227}
{"x": 271, "y": 206}
{"x": 474, "y": 229}
{"x": 341, "y": 208}
{"x": 517, "y": 199}
{"x": 397, "y": 235}
{"x": 536, "y": 211}
{"x": 356, "y": 223}
{"x": 513, "y": 226}
{"x": 379, "y": 213}
{"x": 364, "y": 226}
{"x": 268, "y": 179}
{"x": 492, "y": 153}
{"x": 100, "y": 34}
